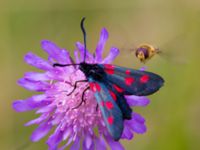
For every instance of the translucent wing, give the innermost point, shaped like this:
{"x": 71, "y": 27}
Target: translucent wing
{"x": 111, "y": 112}
{"x": 131, "y": 81}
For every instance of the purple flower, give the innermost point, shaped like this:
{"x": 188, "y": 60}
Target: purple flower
{"x": 56, "y": 107}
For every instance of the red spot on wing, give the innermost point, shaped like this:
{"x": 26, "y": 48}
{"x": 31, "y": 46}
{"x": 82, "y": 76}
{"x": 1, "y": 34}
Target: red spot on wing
{"x": 109, "y": 71}
{"x": 129, "y": 80}
{"x": 120, "y": 90}
{"x": 102, "y": 103}
{"x": 98, "y": 88}
{"x": 110, "y": 120}
{"x": 91, "y": 85}
{"x": 113, "y": 95}
{"x": 95, "y": 86}
{"x": 109, "y": 105}
{"x": 128, "y": 72}
{"x": 144, "y": 79}
{"x": 109, "y": 68}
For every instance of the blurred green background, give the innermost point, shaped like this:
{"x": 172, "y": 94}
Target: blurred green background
{"x": 173, "y": 116}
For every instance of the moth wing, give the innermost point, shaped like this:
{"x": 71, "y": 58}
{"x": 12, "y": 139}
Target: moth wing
{"x": 110, "y": 111}
{"x": 117, "y": 94}
{"x": 133, "y": 82}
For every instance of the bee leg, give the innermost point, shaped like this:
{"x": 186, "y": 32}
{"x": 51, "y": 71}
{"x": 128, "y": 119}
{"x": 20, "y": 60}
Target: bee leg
{"x": 75, "y": 86}
{"x": 82, "y": 98}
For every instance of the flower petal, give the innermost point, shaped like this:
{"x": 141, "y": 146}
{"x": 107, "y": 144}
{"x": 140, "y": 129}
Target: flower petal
{"x": 37, "y": 62}
{"x": 127, "y": 133}
{"x": 57, "y": 118}
{"x": 39, "y": 86}
{"x": 59, "y": 73}
{"x": 100, "y": 143}
{"x": 30, "y": 103}
{"x": 137, "y": 127}
{"x": 91, "y": 147}
{"x": 111, "y": 56}
{"x": 45, "y": 109}
{"x": 114, "y": 145}
{"x": 61, "y": 55}
{"x": 76, "y": 144}
{"x": 41, "y": 131}
{"x": 38, "y": 120}
{"x": 87, "y": 142}
{"x": 82, "y": 50}
{"x": 76, "y": 55}
{"x": 137, "y": 100}
{"x": 67, "y": 133}
{"x": 35, "y": 76}
{"x": 55, "y": 139}
{"x": 100, "y": 46}
{"x": 68, "y": 142}
{"x": 137, "y": 117}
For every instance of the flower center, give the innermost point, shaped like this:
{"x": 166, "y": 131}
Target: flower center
{"x": 79, "y": 107}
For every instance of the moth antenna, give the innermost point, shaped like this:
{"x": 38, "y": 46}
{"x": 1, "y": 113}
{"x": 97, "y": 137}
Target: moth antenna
{"x": 64, "y": 65}
{"x": 84, "y": 37}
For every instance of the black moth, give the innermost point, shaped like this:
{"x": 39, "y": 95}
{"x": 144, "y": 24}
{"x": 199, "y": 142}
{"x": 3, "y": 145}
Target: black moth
{"x": 110, "y": 83}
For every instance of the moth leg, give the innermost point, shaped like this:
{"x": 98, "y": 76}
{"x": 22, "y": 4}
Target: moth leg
{"x": 75, "y": 85}
{"x": 97, "y": 107}
{"x": 82, "y": 98}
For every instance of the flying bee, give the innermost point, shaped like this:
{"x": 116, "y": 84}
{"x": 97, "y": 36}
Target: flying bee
{"x": 144, "y": 52}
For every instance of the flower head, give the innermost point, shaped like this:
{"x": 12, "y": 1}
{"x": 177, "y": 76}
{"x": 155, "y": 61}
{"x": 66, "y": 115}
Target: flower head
{"x": 75, "y": 120}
